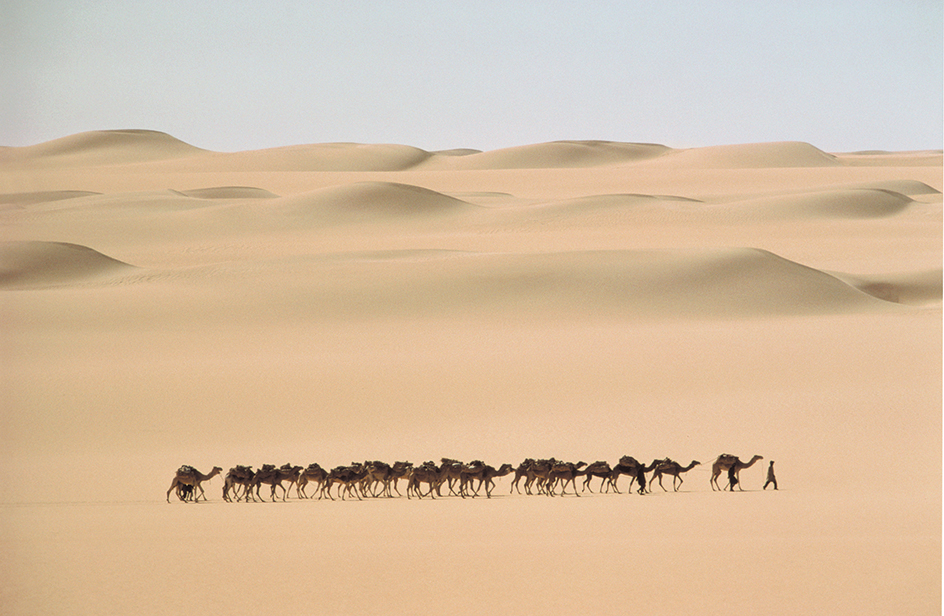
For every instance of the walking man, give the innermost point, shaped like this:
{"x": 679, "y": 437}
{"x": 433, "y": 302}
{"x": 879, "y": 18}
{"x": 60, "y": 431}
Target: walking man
{"x": 771, "y": 478}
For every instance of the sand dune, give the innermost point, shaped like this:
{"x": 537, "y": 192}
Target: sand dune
{"x": 104, "y": 148}
{"x": 914, "y": 288}
{"x": 134, "y": 147}
{"x": 752, "y": 156}
{"x": 40, "y": 264}
{"x": 729, "y": 283}
{"x": 165, "y": 305}
{"x": 229, "y": 192}
{"x": 30, "y": 198}
{"x": 905, "y": 187}
{"x": 850, "y": 203}
{"x": 368, "y": 201}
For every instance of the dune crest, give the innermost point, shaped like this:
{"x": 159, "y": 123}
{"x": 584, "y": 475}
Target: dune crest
{"x": 366, "y": 201}
{"x": 752, "y": 155}
{"x": 33, "y": 264}
{"x": 843, "y": 203}
{"x": 106, "y": 147}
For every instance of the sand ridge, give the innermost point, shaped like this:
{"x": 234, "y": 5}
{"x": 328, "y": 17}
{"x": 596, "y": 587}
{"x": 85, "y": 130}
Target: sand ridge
{"x": 132, "y": 147}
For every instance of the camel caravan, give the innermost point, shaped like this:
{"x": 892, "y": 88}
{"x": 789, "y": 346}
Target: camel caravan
{"x": 375, "y": 479}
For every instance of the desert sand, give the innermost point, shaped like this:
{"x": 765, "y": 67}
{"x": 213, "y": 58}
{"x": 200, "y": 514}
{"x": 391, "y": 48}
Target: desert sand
{"x": 165, "y": 305}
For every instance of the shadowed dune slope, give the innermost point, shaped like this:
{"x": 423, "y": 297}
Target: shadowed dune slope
{"x": 229, "y": 192}
{"x": 905, "y": 187}
{"x": 38, "y": 264}
{"x": 847, "y": 203}
{"x": 557, "y": 154}
{"x": 722, "y": 283}
{"x": 104, "y": 147}
{"x": 912, "y": 288}
{"x": 49, "y": 196}
{"x": 365, "y": 201}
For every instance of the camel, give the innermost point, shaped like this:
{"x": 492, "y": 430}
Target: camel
{"x": 627, "y": 465}
{"x": 428, "y": 473}
{"x": 451, "y": 473}
{"x": 641, "y": 476}
{"x": 274, "y": 477}
{"x": 671, "y": 467}
{"x": 726, "y": 461}
{"x": 538, "y": 474}
{"x": 377, "y": 473}
{"x": 187, "y": 475}
{"x": 399, "y": 470}
{"x": 474, "y": 470}
{"x": 314, "y": 473}
{"x": 236, "y": 477}
{"x": 566, "y": 472}
{"x": 290, "y": 474}
{"x": 348, "y": 477}
{"x": 599, "y": 469}
{"x": 521, "y": 471}
{"x": 489, "y": 473}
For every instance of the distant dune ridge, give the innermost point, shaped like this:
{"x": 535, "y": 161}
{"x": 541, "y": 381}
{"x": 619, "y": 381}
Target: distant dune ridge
{"x": 104, "y": 147}
{"x": 136, "y": 146}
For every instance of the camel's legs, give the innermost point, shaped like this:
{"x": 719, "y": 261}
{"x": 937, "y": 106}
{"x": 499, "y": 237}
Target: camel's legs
{"x": 660, "y": 482}
{"x": 612, "y": 482}
{"x": 527, "y": 484}
{"x": 564, "y": 487}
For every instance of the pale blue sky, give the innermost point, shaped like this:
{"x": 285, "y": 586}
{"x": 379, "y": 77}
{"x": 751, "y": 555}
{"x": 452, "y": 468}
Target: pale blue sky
{"x": 237, "y": 75}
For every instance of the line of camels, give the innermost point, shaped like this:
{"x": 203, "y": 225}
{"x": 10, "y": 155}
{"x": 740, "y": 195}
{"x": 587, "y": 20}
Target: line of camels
{"x": 378, "y": 479}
